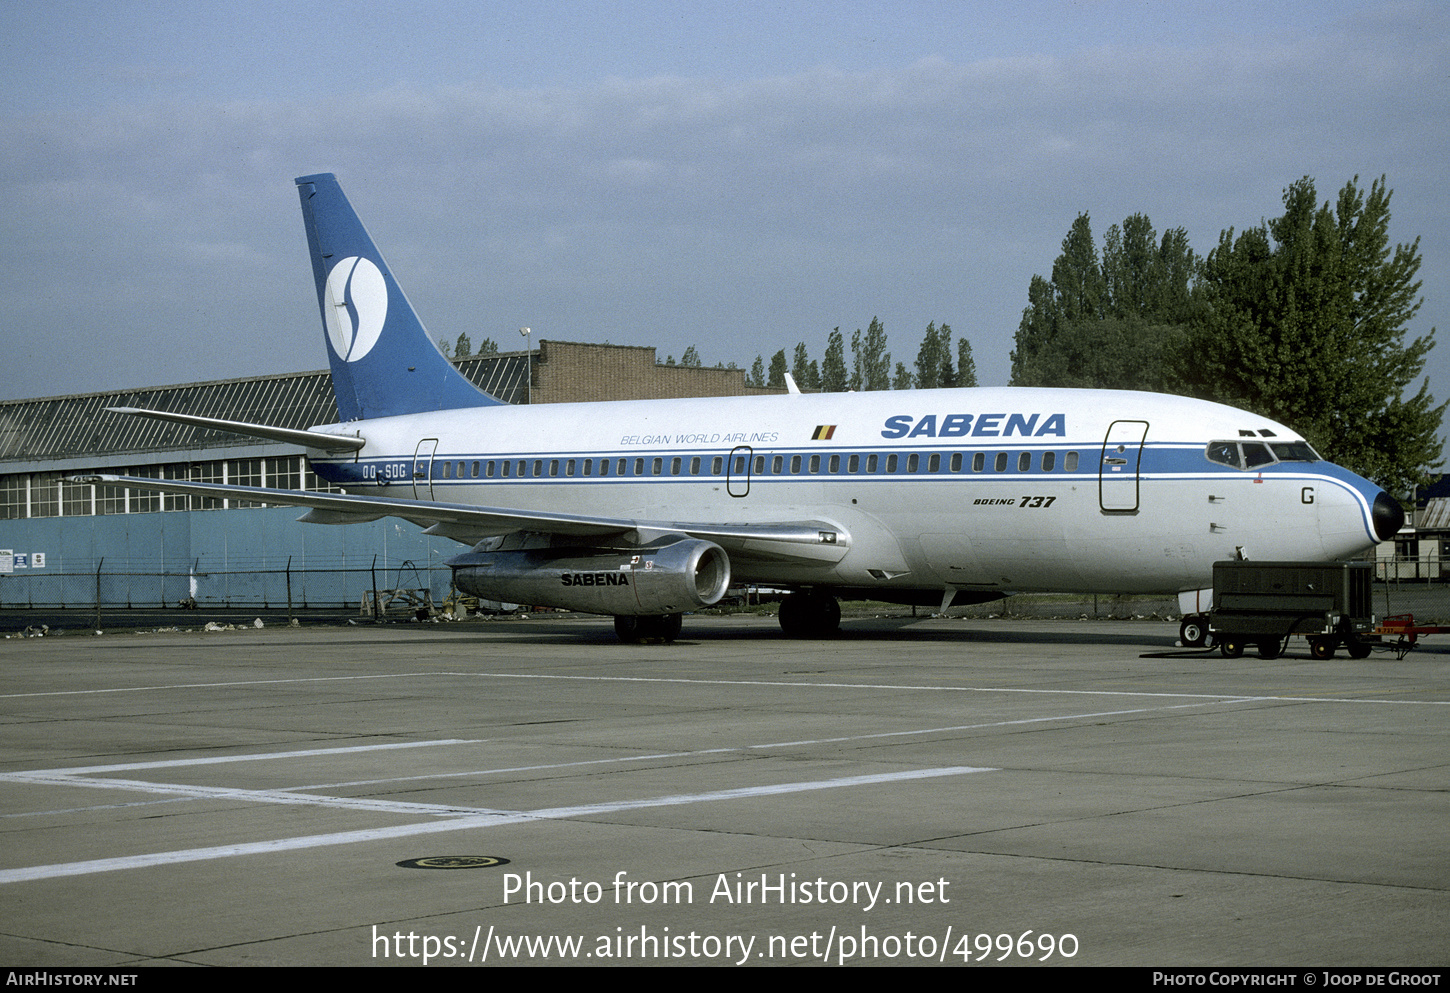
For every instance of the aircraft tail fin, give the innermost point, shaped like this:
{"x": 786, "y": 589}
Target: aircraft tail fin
{"x": 383, "y": 362}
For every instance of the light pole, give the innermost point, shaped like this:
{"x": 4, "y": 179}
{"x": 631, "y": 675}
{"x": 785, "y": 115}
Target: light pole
{"x": 528, "y": 361}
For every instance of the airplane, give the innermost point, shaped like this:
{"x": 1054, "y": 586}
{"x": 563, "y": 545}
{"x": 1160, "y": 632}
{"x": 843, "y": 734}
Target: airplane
{"x": 645, "y": 510}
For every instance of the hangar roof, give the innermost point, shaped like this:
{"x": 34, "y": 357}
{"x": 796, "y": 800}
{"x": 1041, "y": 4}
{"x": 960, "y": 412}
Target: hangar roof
{"x": 78, "y": 427}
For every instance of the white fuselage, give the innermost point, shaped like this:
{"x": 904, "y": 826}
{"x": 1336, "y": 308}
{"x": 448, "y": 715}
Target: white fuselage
{"x": 988, "y": 490}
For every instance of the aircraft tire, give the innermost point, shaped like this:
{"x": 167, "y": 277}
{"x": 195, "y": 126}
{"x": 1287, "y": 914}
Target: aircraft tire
{"x": 1271, "y": 648}
{"x": 1323, "y": 648}
{"x": 1232, "y": 648}
{"x": 1357, "y": 649}
{"x": 1193, "y": 632}
{"x": 649, "y": 628}
{"x": 810, "y": 615}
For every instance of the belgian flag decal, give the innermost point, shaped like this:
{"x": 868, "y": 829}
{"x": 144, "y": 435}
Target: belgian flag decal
{"x": 823, "y": 432}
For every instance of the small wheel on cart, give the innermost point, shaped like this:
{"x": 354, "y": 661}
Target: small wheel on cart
{"x": 1357, "y": 649}
{"x": 1232, "y": 648}
{"x": 1193, "y": 632}
{"x": 1323, "y": 648}
{"x": 1271, "y": 648}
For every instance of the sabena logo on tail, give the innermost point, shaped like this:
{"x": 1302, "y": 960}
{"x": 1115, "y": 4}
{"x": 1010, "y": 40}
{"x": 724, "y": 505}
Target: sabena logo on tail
{"x": 357, "y": 307}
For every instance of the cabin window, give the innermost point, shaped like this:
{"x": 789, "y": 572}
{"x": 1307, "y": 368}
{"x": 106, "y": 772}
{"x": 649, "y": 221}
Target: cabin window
{"x": 956, "y": 461}
{"x": 461, "y": 469}
{"x": 933, "y": 464}
{"x": 795, "y": 464}
{"x": 588, "y": 465}
{"x": 553, "y": 467}
{"x": 538, "y": 467}
{"x": 639, "y": 467}
{"x": 488, "y": 468}
{"x": 1024, "y": 462}
{"x": 891, "y": 463}
{"x": 657, "y": 466}
{"x": 507, "y": 468}
{"x": 475, "y": 470}
{"x": 913, "y": 462}
{"x": 760, "y": 465}
{"x": 835, "y": 463}
{"x": 871, "y": 463}
{"x": 777, "y": 465}
{"x": 675, "y": 466}
{"x": 1049, "y": 460}
{"x": 815, "y": 464}
{"x": 853, "y": 464}
{"x": 717, "y": 464}
{"x": 1000, "y": 463}
{"x": 979, "y": 461}
{"x": 1069, "y": 463}
{"x": 695, "y": 466}
{"x": 447, "y": 470}
{"x": 569, "y": 468}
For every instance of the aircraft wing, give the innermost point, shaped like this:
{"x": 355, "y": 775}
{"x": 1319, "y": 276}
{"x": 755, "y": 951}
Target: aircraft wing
{"x": 801, "y": 541}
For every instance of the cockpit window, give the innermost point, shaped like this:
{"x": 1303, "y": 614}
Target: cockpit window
{"x": 1225, "y": 453}
{"x": 1253, "y": 454}
{"x": 1294, "y": 451}
{"x": 1256, "y": 454}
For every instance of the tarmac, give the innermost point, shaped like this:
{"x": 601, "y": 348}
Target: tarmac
{"x": 917, "y": 791}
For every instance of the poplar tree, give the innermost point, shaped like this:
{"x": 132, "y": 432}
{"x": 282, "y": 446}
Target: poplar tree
{"x": 1307, "y": 325}
{"x": 834, "y": 378}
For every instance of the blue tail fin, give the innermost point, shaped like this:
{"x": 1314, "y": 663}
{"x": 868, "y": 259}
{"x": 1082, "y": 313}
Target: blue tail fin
{"x": 383, "y": 362}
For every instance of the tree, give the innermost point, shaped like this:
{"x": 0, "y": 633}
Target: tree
{"x": 777, "y": 369}
{"x": 873, "y": 361}
{"x": 445, "y": 348}
{"x": 462, "y": 348}
{"x": 966, "y": 366}
{"x": 928, "y": 359}
{"x": 806, "y": 373}
{"x": 1307, "y": 325}
{"x": 946, "y": 376}
{"x": 1119, "y": 324}
{"x": 691, "y": 358}
{"x": 834, "y": 378}
{"x": 487, "y": 347}
{"x": 903, "y": 380}
{"x": 757, "y": 373}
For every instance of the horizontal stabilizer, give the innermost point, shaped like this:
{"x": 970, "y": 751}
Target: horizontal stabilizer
{"x": 291, "y": 436}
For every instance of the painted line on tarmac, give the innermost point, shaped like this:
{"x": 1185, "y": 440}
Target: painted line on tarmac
{"x": 467, "y": 823}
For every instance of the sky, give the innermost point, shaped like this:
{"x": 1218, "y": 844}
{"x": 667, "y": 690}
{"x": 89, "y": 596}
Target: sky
{"x": 735, "y": 176}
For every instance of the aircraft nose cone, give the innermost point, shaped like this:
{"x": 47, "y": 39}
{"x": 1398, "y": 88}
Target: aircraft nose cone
{"x": 1388, "y": 516}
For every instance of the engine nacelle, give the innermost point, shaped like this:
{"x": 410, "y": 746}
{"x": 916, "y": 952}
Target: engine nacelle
{"x": 652, "y": 579}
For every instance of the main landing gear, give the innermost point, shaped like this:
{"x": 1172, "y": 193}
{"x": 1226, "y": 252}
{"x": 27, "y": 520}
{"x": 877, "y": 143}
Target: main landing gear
{"x": 649, "y": 629}
{"x": 810, "y": 614}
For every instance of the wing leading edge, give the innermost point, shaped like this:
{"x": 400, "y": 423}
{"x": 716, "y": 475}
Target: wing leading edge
{"x": 798, "y": 541}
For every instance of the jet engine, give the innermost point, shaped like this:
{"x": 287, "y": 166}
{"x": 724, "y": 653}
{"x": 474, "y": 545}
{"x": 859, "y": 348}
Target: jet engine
{"x": 627, "y": 582}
